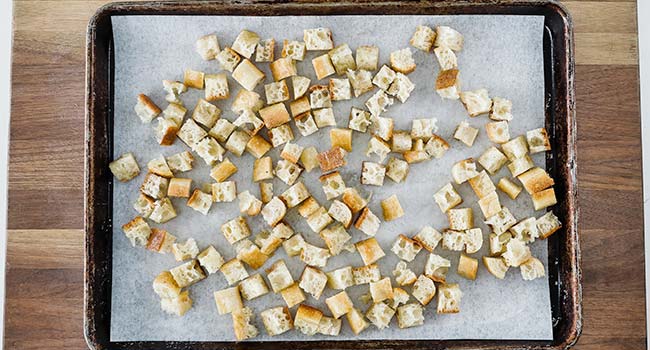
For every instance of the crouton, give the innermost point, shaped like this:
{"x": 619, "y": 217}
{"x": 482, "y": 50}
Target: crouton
{"x": 391, "y": 208}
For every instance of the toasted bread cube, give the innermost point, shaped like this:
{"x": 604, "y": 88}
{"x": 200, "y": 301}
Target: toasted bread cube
{"x": 295, "y": 195}
{"x": 402, "y": 61}
{"x": 449, "y": 296}
{"x": 222, "y": 130}
{"x": 378, "y": 147}
{"x": 367, "y": 222}
{"x": 159, "y": 167}
{"x": 464, "y": 170}
{"x": 324, "y": 117}
{"x": 359, "y": 120}
{"x": 467, "y": 267}
{"x": 246, "y": 101}
{"x": 283, "y": 68}
{"x": 544, "y": 199}
{"x": 482, "y": 184}
{"x": 372, "y": 174}
{"x": 448, "y": 84}
{"x": 137, "y": 231}
{"x": 342, "y": 59}
{"x": 498, "y": 243}
{"x": 319, "y": 219}
{"x": 300, "y": 86}
{"x": 476, "y": 102}
{"x": 323, "y": 66}
{"x": 340, "y": 89}
{"x": 370, "y": 250}
{"x": 307, "y": 207}
{"x": 392, "y": 208}
{"x": 280, "y": 135}
{"x": 294, "y": 50}
{"x": 178, "y": 305}
{"x": 309, "y": 158}
{"x": 436, "y": 147}
{"x": 335, "y": 238}
{"x": 257, "y": 146}
{"x": 331, "y": 159}
{"x": 277, "y": 320}
{"x": 490, "y": 204}
{"x": 460, "y": 219}
{"x": 423, "y": 128}
{"x": 216, "y": 87}
{"x": 279, "y": 276}
{"x": 175, "y": 112}
{"x": 276, "y": 92}
{"x": 538, "y": 140}
{"x": 416, "y": 155}
{"x": 401, "y": 87}
{"x": 292, "y": 295}
{"x": 125, "y": 167}
{"x": 314, "y": 256}
{"x": 378, "y": 103}
{"x": 473, "y": 240}
{"x": 526, "y": 230}
{"x": 174, "y": 89}
{"x": 319, "y": 97}
{"x": 382, "y": 127}
{"x": 200, "y": 201}
{"x": 145, "y": 109}
{"x": 532, "y": 269}
{"x": 287, "y": 171}
{"x": 381, "y": 290}
{"x": 313, "y": 281}
{"x": 410, "y": 315}
{"x": 307, "y": 319}
{"x": 224, "y": 191}
{"x": 282, "y": 230}
{"x": 384, "y": 78}
{"x": 353, "y": 200}
{"x": 517, "y": 252}
{"x": 249, "y": 204}
{"x": 498, "y": 132}
{"x": 318, "y": 39}
{"x": 465, "y": 133}
{"x": 193, "y": 79}
{"x": 245, "y": 43}
{"x": 266, "y": 191}
{"x": 340, "y": 279}
{"x": 165, "y": 286}
{"x": 293, "y": 246}
{"x": 424, "y": 290}
{"x": 547, "y": 224}
{"x": 495, "y": 266}
{"x": 492, "y": 160}
{"x": 187, "y": 274}
{"x": 274, "y": 115}
{"x": 361, "y": 81}
{"x": 234, "y": 271}
{"x": 340, "y": 212}
{"x": 206, "y": 113}
{"x": 274, "y": 211}
{"x": 501, "y": 109}
{"x": 191, "y": 133}
{"x": 406, "y": 248}
{"x": 180, "y": 162}
{"x": 366, "y": 274}
{"x": 247, "y": 75}
{"x": 380, "y": 315}
{"x": 357, "y": 321}
{"x": 253, "y": 287}
{"x": 520, "y": 165}
{"x": 242, "y": 320}
{"x": 223, "y": 170}
{"x": 502, "y": 221}
{"x": 264, "y": 52}
{"x": 397, "y": 169}
{"x": 154, "y": 186}
{"x": 447, "y": 197}
{"x": 508, "y": 187}
{"x": 185, "y": 251}
{"x": 423, "y": 38}
{"x": 306, "y": 124}
{"x": 299, "y": 106}
{"x": 403, "y": 275}
{"x": 515, "y": 148}
{"x": 448, "y": 37}
{"x": 401, "y": 142}
{"x": 291, "y": 152}
{"x": 210, "y": 260}
{"x": 428, "y": 238}
{"x": 235, "y": 230}
{"x": 446, "y": 58}
{"x": 367, "y": 57}
{"x": 160, "y": 241}
{"x": 163, "y": 211}
{"x": 536, "y": 180}
{"x": 268, "y": 242}
{"x": 436, "y": 268}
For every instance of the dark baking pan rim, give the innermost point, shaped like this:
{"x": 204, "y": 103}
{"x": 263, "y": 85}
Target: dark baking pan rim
{"x": 564, "y": 251}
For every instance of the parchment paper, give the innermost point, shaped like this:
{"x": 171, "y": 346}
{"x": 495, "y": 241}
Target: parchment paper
{"x": 501, "y": 53}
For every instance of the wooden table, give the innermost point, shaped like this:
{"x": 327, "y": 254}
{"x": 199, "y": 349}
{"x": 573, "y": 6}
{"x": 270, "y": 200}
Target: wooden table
{"x": 45, "y": 256}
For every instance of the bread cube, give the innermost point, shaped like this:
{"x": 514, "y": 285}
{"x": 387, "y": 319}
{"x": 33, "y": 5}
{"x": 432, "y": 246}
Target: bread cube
{"x": 191, "y": 133}
{"x": 162, "y": 211}
{"x": 175, "y": 113}
{"x": 370, "y": 250}
{"x": 125, "y": 167}
{"x": 223, "y": 170}
{"x": 498, "y": 243}
{"x": 250, "y": 254}
{"x": 378, "y": 103}
{"x": 292, "y": 295}
{"x": 482, "y": 184}
{"x": 502, "y": 221}
{"x": 245, "y": 43}
{"x": 403, "y": 275}
{"x": 279, "y": 276}
{"x": 381, "y": 290}
{"x": 295, "y": 195}
{"x": 335, "y": 238}
{"x": 248, "y": 123}
{"x": 165, "y": 286}
{"x": 382, "y": 127}
{"x": 323, "y": 66}
{"x": 473, "y": 240}
{"x": 299, "y": 106}
{"x": 367, "y": 222}
{"x": 380, "y": 315}
{"x": 465, "y": 133}
{"x": 340, "y": 89}
{"x": 318, "y": 39}
{"x": 331, "y": 159}
{"x": 291, "y": 152}
{"x": 342, "y": 59}
{"x": 324, "y": 117}
{"x": 366, "y": 274}
{"x": 361, "y": 81}
{"x": 367, "y": 57}
{"x": 406, "y": 248}
{"x": 446, "y": 58}
{"x": 300, "y": 85}
{"x": 449, "y": 296}
{"x": 319, "y": 97}
{"x": 378, "y": 147}
{"x": 353, "y": 200}
{"x": 206, "y": 113}
{"x": 307, "y": 207}
{"x": 538, "y": 140}
{"x": 216, "y": 87}
{"x": 423, "y": 128}
{"x": 249, "y": 204}
{"x": 447, "y": 197}
{"x": 490, "y": 204}
{"x": 464, "y": 170}
{"x": 293, "y": 246}
{"x": 276, "y": 92}
{"x": 460, "y": 219}
{"x": 282, "y": 230}
{"x": 159, "y": 167}
{"x": 544, "y": 199}
{"x": 392, "y": 208}
{"x": 293, "y": 49}
{"x": 242, "y": 323}
{"x": 402, "y": 61}
{"x": 210, "y": 260}
{"x": 520, "y": 165}
{"x": 187, "y": 274}
{"x": 423, "y": 38}
{"x": 401, "y": 142}
{"x": 536, "y": 180}
{"x": 253, "y": 287}
{"x": 268, "y": 242}
{"x": 384, "y": 78}
{"x": 448, "y": 84}
{"x": 274, "y": 211}
{"x": 154, "y": 186}
{"x": 137, "y": 231}
{"x": 340, "y": 279}
{"x": 526, "y": 230}
{"x": 160, "y": 241}
{"x": 178, "y": 305}
{"x": 508, "y": 187}
{"x": 495, "y": 266}
{"x": 247, "y": 75}
{"x": 283, "y": 68}
{"x": 359, "y": 120}
{"x": 274, "y": 115}
{"x": 448, "y": 37}
{"x": 397, "y": 169}
{"x": 357, "y": 321}
{"x": 410, "y": 315}
{"x": 492, "y": 160}
{"x": 467, "y": 267}
{"x": 222, "y": 130}
{"x": 306, "y": 124}
{"x": 501, "y": 109}
{"x": 307, "y": 319}
{"x": 180, "y": 162}
{"x": 498, "y": 132}
{"x": 277, "y": 320}
{"x": 234, "y": 271}
{"x": 309, "y": 158}
{"x": 287, "y": 171}
{"x": 319, "y": 219}
{"x": 547, "y": 224}
{"x": 246, "y": 100}
{"x": 515, "y": 148}
{"x": 517, "y": 252}
{"x": 280, "y": 135}
{"x": 341, "y": 213}
{"x": 436, "y": 147}
{"x": 193, "y": 79}
{"x": 476, "y": 102}
{"x": 401, "y": 87}
{"x": 209, "y": 150}
{"x": 185, "y": 251}
{"x": 372, "y": 174}
{"x": 200, "y": 201}
{"x": 428, "y": 238}
{"x": 314, "y": 256}
{"x": 424, "y": 290}
{"x": 436, "y": 268}
{"x": 173, "y": 89}
{"x": 313, "y": 281}
{"x": 235, "y": 230}
{"x": 264, "y": 52}
{"x": 532, "y": 269}
{"x": 453, "y": 240}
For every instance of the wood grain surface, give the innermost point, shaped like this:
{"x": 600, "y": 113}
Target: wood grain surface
{"x": 45, "y": 256}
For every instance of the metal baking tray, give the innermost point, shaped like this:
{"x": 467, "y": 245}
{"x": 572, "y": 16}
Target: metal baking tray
{"x": 564, "y": 251}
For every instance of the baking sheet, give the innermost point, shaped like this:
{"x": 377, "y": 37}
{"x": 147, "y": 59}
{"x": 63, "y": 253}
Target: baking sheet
{"x": 501, "y": 53}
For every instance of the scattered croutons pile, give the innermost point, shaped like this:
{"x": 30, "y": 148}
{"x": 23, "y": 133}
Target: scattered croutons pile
{"x": 210, "y": 137}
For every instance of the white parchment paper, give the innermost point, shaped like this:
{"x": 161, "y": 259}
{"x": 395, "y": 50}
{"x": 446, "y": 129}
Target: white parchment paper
{"x": 501, "y": 53}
